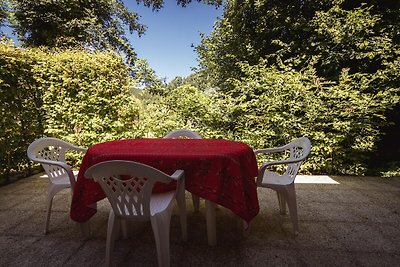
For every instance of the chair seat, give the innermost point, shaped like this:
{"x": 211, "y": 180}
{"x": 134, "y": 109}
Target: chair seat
{"x": 160, "y": 202}
{"x": 62, "y": 180}
{"x": 273, "y": 178}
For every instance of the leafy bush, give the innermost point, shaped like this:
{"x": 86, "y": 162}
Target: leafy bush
{"x": 182, "y": 107}
{"x": 275, "y": 105}
{"x": 87, "y": 97}
{"x": 81, "y": 97}
{"x": 329, "y": 69}
{"x": 21, "y": 117}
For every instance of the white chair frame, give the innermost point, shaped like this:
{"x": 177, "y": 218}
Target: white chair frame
{"x": 132, "y": 199}
{"x": 183, "y": 133}
{"x": 50, "y": 153}
{"x": 283, "y": 184}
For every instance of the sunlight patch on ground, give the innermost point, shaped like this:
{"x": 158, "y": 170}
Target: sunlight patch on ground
{"x": 314, "y": 179}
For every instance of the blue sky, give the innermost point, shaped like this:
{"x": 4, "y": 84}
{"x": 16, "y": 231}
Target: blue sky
{"x": 166, "y": 45}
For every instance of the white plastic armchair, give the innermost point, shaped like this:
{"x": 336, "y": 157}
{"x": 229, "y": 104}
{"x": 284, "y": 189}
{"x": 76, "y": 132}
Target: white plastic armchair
{"x": 183, "y": 133}
{"x": 50, "y": 153}
{"x": 283, "y": 184}
{"x": 128, "y": 186}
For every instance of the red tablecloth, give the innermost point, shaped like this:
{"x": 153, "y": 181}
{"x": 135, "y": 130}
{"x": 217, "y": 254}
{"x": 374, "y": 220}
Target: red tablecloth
{"x": 218, "y": 170}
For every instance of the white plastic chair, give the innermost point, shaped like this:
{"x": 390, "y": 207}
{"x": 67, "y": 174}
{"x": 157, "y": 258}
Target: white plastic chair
{"x": 283, "y": 184}
{"x": 128, "y": 186}
{"x": 183, "y": 133}
{"x": 50, "y": 153}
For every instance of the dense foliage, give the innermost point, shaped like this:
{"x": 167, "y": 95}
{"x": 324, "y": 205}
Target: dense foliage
{"x": 274, "y": 105}
{"x": 352, "y": 48}
{"x": 74, "y": 95}
{"x": 21, "y": 117}
{"x": 332, "y": 35}
{"x": 87, "y": 97}
{"x": 183, "y": 107}
{"x": 269, "y": 72}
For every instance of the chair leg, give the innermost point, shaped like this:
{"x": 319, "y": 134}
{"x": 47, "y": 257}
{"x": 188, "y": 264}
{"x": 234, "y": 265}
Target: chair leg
{"x": 196, "y": 202}
{"x": 49, "y": 203}
{"x": 181, "y": 200}
{"x": 161, "y": 227}
{"x": 292, "y": 204}
{"x": 282, "y": 202}
{"x": 51, "y": 192}
{"x": 112, "y": 231}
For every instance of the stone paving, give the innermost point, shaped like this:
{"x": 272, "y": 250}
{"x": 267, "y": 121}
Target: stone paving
{"x": 343, "y": 221}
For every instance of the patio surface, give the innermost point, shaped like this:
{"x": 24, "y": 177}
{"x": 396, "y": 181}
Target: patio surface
{"x": 353, "y": 222}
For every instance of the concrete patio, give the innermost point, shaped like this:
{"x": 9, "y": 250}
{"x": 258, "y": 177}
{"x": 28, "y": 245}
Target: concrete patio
{"x": 343, "y": 221}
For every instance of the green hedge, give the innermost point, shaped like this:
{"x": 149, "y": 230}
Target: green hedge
{"x": 86, "y": 98}
{"x": 272, "y": 106}
{"x": 81, "y": 97}
{"x": 21, "y": 118}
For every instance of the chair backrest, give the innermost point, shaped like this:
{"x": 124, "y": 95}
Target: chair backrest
{"x": 128, "y": 186}
{"x": 299, "y": 149}
{"x": 51, "y": 149}
{"x": 183, "y": 134}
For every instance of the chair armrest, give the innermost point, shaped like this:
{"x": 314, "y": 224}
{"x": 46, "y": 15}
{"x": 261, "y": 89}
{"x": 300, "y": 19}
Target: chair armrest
{"x": 77, "y": 148}
{"x": 61, "y": 164}
{"x": 52, "y": 162}
{"x": 278, "y": 162}
{"x": 177, "y": 175}
{"x": 284, "y": 161}
{"x": 269, "y": 150}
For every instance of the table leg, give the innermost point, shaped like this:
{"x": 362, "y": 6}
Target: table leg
{"x": 210, "y": 218}
{"x": 245, "y": 227}
{"x": 85, "y": 228}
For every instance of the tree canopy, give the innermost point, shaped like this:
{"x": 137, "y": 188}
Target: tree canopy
{"x": 332, "y": 35}
{"x": 157, "y": 4}
{"x": 347, "y": 53}
{"x": 3, "y": 13}
{"x": 93, "y": 24}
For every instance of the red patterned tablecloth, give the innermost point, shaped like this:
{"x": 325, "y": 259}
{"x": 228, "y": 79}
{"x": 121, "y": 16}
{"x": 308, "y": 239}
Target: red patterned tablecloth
{"x": 219, "y": 170}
